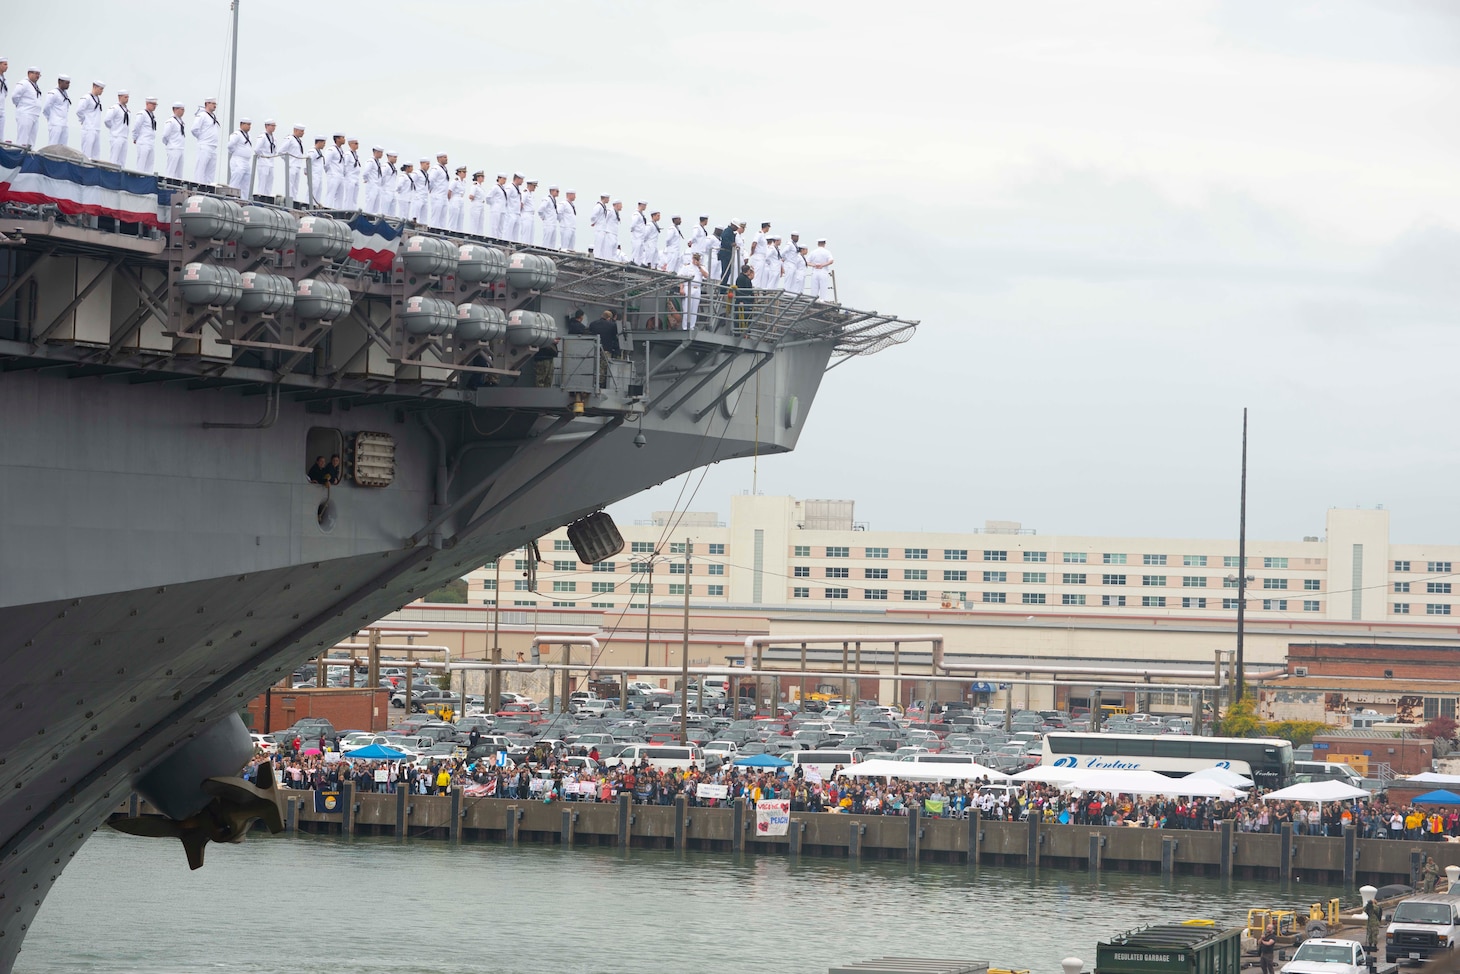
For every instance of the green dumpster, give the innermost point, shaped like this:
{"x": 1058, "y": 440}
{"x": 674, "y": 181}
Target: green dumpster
{"x": 1172, "y": 948}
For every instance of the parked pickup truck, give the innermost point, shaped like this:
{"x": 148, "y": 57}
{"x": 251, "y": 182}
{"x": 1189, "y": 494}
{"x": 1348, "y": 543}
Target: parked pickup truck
{"x": 1325, "y": 956}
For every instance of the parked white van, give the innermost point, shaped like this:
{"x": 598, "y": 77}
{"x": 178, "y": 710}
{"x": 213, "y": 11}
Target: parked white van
{"x": 824, "y": 762}
{"x": 661, "y": 757}
{"x": 1329, "y": 771}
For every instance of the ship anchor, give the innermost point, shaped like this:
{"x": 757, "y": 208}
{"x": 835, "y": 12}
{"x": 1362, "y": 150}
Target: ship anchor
{"x": 236, "y": 805}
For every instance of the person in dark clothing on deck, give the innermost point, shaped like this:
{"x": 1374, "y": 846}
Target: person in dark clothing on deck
{"x": 320, "y": 472}
{"x": 727, "y": 251}
{"x": 606, "y": 328}
{"x": 744, "y": 297}
{"x": 575, "y": 323}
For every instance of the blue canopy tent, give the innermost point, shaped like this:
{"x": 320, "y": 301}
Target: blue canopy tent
{"x": 761, "y": 761}
{"x": 377, "y": 752}
{"x": 1440, "y": 797}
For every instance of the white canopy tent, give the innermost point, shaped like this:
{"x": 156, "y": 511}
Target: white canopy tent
{"x": 1316, "y": 791}
{"x": 921, "y": 771}
{"x": 1434, "y": 778}
{"x": 1049, "y": 774}
{"x": 1223, "y": 776}
{"x": 1150, "y": 783}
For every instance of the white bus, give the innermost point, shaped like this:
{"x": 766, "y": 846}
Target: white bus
{"x": 1268, "y": 761}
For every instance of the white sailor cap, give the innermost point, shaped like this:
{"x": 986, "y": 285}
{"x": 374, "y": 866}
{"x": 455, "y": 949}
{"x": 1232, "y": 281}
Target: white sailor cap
{"x": 821, "y": 240}
{"x": 704, "y": 216}
{"x": 99, "y": 84}
{"x": 376, "y": 148}
{"x": 643, "y": 202}
{"x": 442, "y": 153}
{"x": 211, "y": 98}
{"x": 123, "y": 91}
{"x": 270, "y": 121}
{"x": 517, "y": 175}
{"x": 32, "y": 68}
{"x": 795, "y": 234}
{"x": 299, "y": 126}
{"x": 392, "y": 152}
{"x": 674, "y": 216}
{"x": 603, "y": 196}
{"x": 319, "y": 138}
{"x": 532, "y": 181}
{"x": 618, "y": 201}
{"x": 425, "y": 158}
{"x": 150, "y": 99}
{"x": 337, "y": 135}
{"x": 4, "y": 59}
{"x": 501, "y": 175}
{"x": 178, "y": 104}
{"x": 245, "y": 121}
{"x": 63, "y": 77}
{"x": 461, "y": 169}
{"x": 353, "y": 138}
{"x": 571, "y": 190}
{"x": 552, "y": 185}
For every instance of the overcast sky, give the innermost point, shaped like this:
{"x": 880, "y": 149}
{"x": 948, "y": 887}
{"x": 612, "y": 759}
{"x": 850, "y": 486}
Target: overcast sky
{"x": 1119, "y": 222}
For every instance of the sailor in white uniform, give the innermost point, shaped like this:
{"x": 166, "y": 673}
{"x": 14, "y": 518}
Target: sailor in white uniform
{"x": 265, "y": 148}
{"x": 319, "y": 191}
{"x": 820, "y": 261}
{"x": 349, "y": 198}
{"x": 497, "y": 207}
{"x": 4, "y": 94}
{"x": 456, "y": 194}
{"x": 118, "y": 122}
{"x": 476, "y": 203}
{"x": 639, "y": 234}
{"x": 389, "y": 179}
{"x": 334, "y": 170}
{"x": 240, "y": 157}
{"x": 422, "y": 197}
{"x": 547, "y": 215}
{"x": 405, "y": 191}
{"x": 89, "y": 113}
{"x": 56, "y": 107}
{"x": 174, "y": 140}
{"x": 27, "y": 100}
{"x": 527, "y": 217}
{"x": 654, "y": 255}
{"x": 292, "y": 149}
{"x": 671, "y": 247}
{"x": 207, "y": 131}
{"x": 795, "y": 280}
{"x": 439, "y": 188}
{"x": 598, "y": 223}
{"x": 695, "y": 276}
{"x": 568, "y": 220}
{"x": 510, "y": 222}
{"x": 772, "y": 274}
{"x": 374, "y": 172}
{"x": 144, "y": 135}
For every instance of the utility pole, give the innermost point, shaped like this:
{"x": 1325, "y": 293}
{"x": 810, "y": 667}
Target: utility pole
{"x": 684, "y": 656}
{"x": 1241, "y": 567}
{"x": 648, "y": 604}
{"x": 494, "y": 688}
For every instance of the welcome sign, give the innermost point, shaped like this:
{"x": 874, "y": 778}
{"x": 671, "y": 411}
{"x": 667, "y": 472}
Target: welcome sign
{"x": 772, "y": 816}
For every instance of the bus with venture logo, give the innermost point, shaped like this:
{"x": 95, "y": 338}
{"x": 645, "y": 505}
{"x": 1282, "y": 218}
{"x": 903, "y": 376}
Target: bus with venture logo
{"x": 1268, "y": 761}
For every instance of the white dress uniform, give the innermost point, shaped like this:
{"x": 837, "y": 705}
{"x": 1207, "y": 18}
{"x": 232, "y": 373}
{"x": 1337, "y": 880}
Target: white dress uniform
{"x": 438, "y": 184}
{"x": 405, "y": 192}
{"x": 174, "y": 139}
{"x": 348, "y": 196}
{"x": 795, "y": 280}
{"x": 144, "y": 134}
{"x": 771, "y": 276}
{"x": 820, "y": 276}
{"x": 4, "y": 97}
{"x": 639, "y": 232}
{"x": 389, "y": 179}
{"x": 334, "y": 169}
{"x": 497, "y": 198}
{"x": 373, "y": 172}
{"x": 27, "y": 100}
{"x": 527, "y": 218}
{"x": 598, "y": 223}
{"x": 292, "y": 149}
{"x": 547, "y": 214}
{"x": 240, "y": 159}
{"x": 265, "y": 148}
{"x": 567, "y": 224}
{"x": 456, "y": 194}
{"x": 510, "y": 223}
{"x": 421, "y": 197}
{"x": 89, "y": 113}
{"x": 694, "y": 281}
{"x": 118, "y": 122}
{"x": 671, "y": 248}
{"x": 57, "y": 109}
{"x": 207, "y": 131}
{"x": 476, "y": 206}
{"x": 319, "y": 174}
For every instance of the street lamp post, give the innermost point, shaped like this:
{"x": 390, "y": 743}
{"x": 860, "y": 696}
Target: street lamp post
{"x": 684, "y": 656}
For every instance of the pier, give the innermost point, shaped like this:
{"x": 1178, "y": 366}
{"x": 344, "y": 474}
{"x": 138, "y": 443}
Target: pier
{"x": 1224, "y": 853}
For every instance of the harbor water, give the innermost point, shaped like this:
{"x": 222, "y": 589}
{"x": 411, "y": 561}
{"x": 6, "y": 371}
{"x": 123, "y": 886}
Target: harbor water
{"x": 375, "y": 905}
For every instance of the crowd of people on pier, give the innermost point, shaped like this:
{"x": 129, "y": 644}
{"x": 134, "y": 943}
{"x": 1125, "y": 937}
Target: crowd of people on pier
{"x": 333, "y": 172}
{"x": 554, "y": 778}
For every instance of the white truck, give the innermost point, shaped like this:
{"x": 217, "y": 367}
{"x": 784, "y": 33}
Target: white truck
{"x": 1323, "y": 955}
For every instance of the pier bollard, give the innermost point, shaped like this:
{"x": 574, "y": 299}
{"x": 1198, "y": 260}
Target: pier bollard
{"x": 347, "y": 816}
{"x": 455, "y": 829}
{"x": 291, "y": 815}
{"x": 1285, "y": 853}
{"x": 1452, "y": 876}
{"x": 1416, "y": 866}
{"x": 680, "y": 801}
{"x": 511, "y": 824}
{"x": 1168, "y": 856}
{"x": 914, "y": 833}
{"x": 1350, "y": 856}
{"x": 1031, "y": 855}
{"x": 737, "y": 841}
{"x": 565, "y": 831}
{"x": 854, "y": 842}
{"x": 1226, "y": 856}
{"x": 975, "y": 836}
{"x": 624, "y": 798}
{"x": 1094, "y": 854}
{"x": 402, "y": 821}
{"x": 797, "y": 833}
